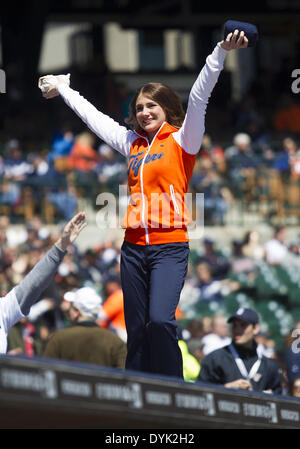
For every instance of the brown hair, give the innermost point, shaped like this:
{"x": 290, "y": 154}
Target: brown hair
{"x": 165, "y": 97}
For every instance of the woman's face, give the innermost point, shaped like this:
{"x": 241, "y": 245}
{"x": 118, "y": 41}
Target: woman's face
{"x": 149, "y": 115}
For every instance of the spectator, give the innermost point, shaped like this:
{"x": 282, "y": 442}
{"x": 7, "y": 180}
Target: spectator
{"x": 267, "y": 158}
{"x": 287, "y": 117}
{"x": 294, "y": 387}
{"x": 294, "y": 157}
{"x": 219, "y": 337}
{"x": 111, "y": 315}
{"x": 15, "y": 169}
{"x": 109, "y": 254}
{"x": 83, "y": 161}
{"x": 213, "y": 289}
{"x": 214, "y": 153}
{"x": 61, "y": 147}
{"x": 195, "y": 328}
{"x": 265, "y": 345}
{"x": 196, "y": 349}
{"x": 110, "y": 170}
{"x": 240, "y": 262}
{"x": 292, "y": 354}
{"x": 219, "y": 264}
{"x": 293, "y": 246}
{"x": 242, "y": 164}
{"x": 3, "y": 241}
{"x": 287, "y": 161}
{"x": 85, "y": 341}
{"x": 51, "y": 185}
{"x": 70, "y": 266}
{"x": 83, "y": 156}
{"x": 239, "y": 365}
{"x": 241, "y": 145}
{"x": 276, "y": 250}
{"x": 23, "y": 338}
{"x": 32, "y": 240}
{"x": 10, "y": 193}
{"x": 90, "y": 267}
{"x": 216, "y": 195}
{"x": 252, "y": 247}
{"x": 14, "y": 236}
{"x": 190, "y": 293}
{"x": 209, "y": 289}
{"x": 65, "y": 201}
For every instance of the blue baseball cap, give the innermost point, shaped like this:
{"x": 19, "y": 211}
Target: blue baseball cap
{"x": 247, "y": 315}
{"x": 249, "y": 29}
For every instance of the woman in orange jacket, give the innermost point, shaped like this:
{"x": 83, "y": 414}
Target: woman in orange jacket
{"x": 161, "y": 150}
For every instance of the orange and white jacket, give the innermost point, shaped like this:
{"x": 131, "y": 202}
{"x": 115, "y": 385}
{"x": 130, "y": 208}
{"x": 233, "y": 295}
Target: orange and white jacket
{"x": 158, "y": 172}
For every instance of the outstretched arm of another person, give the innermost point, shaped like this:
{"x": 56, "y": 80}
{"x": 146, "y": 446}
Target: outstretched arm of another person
{"x": 190, "y": 135}
{"x": 38, "y": 279}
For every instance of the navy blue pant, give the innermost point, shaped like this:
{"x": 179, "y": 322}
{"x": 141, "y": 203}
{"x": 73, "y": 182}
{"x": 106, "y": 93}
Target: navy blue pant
{"x": 152, "y": 279}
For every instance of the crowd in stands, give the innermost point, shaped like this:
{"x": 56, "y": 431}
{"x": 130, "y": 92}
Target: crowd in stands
{"x": 44, "y": 185}
{"x": 261, "y": 275}
{"x": 49, "y": 182}
{"x": 247, "y": 173}
{"x": 251, "y": 154}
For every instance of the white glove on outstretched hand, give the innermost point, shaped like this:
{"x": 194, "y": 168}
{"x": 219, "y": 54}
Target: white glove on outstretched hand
{"x": 49, "y": 83}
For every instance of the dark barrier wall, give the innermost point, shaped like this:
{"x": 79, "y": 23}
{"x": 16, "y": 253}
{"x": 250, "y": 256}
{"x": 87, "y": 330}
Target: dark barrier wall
{"x": 41, "y": 393}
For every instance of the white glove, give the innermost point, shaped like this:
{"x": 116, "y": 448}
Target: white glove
{"x": 48, "y": 84}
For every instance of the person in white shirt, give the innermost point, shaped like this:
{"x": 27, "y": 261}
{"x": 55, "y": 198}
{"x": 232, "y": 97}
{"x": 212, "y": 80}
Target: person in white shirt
{"x": 17, "y": 303}
{"x": 276, "y": 250}
{"x": 219, "y": 336}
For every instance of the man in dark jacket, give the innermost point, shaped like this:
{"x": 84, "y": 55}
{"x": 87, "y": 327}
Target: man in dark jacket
{"x": 84, "y": 340}
{"x": 240, "y": 365}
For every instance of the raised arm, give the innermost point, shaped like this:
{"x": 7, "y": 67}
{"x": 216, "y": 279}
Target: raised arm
{"x": 38, "y": 279}
{"x": 111, "y": 132}
{"x": 191, "y": 133}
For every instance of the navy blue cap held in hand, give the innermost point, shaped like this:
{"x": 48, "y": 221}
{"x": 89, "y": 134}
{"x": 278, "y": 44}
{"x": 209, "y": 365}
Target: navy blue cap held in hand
{"x": 249, "y": 29}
